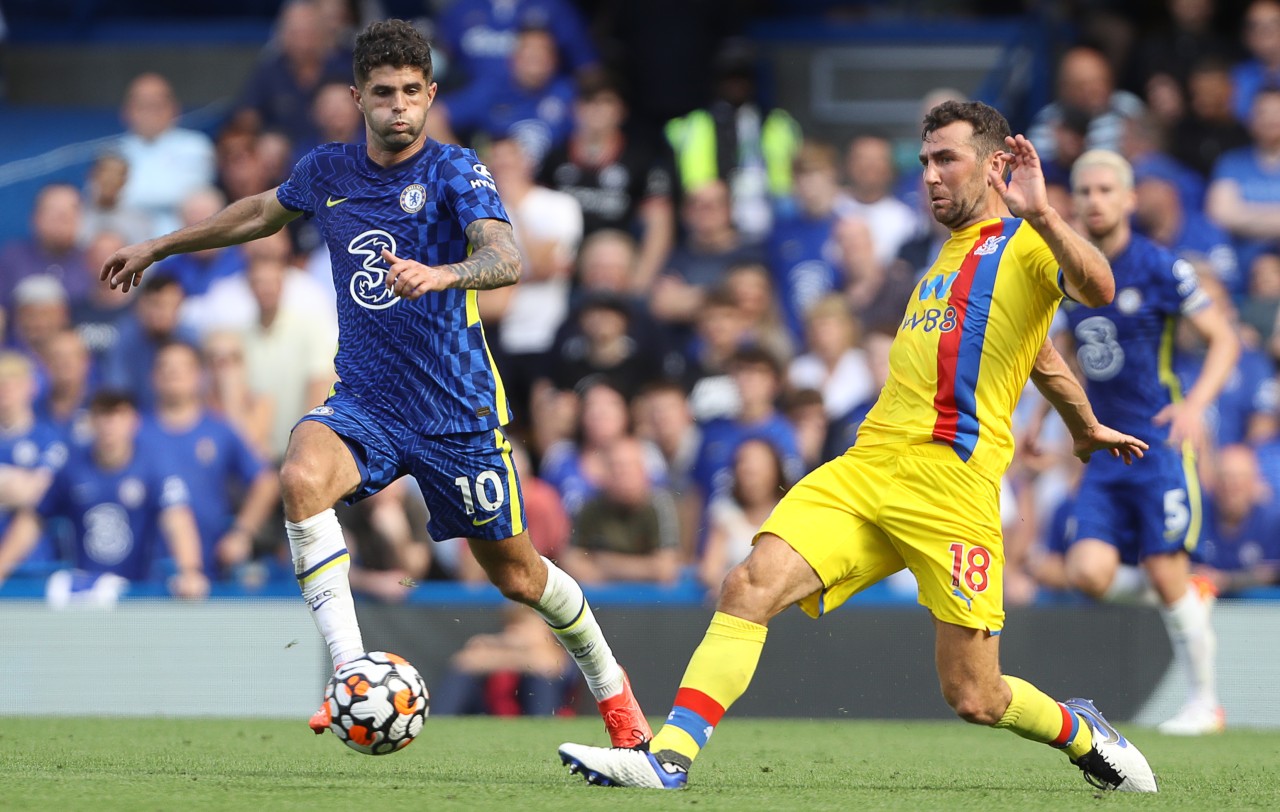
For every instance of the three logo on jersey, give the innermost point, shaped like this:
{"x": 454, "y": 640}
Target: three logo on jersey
{"x": 369, "y": 285}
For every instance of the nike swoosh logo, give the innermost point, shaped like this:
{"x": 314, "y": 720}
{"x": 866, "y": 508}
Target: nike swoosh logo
{"x": 331, "y": 202}
{"x": 316, "y": 606}
{"x": 477, "y": 522}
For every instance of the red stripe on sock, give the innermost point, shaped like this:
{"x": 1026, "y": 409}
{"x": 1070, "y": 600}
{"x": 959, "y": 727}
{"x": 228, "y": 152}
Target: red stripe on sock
{"x": 701, "y": 704}
{"x": 1068, "y": 724}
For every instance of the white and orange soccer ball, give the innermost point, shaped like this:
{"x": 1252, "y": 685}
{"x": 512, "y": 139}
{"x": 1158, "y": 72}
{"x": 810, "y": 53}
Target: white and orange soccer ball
{"x": 377, "y": 702}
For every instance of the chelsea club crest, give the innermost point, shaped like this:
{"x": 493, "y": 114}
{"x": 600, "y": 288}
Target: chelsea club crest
{"x": 413, "y": 198}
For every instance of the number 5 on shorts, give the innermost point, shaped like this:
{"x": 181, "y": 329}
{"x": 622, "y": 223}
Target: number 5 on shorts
{"x": 973, "y": 563}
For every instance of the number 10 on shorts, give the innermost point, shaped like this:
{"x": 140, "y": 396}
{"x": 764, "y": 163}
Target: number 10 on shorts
{"x": 971, "y": 562}
{"x": 487, "y": 491}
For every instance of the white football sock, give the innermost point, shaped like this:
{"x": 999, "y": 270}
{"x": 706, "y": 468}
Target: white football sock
{"x": 1131, "y": 586}
{"x": 1194, "y": 643}
{"x": 565, "y": 609}
{"x": 321, "y": 563}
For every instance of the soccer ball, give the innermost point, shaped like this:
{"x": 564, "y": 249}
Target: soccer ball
{"x": 377, "y": 702}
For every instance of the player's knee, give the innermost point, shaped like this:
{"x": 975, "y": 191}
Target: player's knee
{"x": 1091, "y": 580}
{"x": 519, "y": 584}
{"x": 303, "y": 482}
{"x": 974, "y": 706}
{"x": 744, "y": 595}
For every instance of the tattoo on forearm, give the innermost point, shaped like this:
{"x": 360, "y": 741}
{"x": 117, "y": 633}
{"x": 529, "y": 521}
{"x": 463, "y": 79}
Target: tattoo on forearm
{"x": 494, "y": 260}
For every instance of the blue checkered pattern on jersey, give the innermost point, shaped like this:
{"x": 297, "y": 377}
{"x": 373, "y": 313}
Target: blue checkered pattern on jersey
{"x": 422, "y": 363}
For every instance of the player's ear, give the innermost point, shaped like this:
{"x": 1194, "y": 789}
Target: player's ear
{"x": 355, "y": 96}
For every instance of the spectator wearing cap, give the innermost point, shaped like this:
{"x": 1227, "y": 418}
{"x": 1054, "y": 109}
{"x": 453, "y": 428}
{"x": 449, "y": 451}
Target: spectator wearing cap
{"x": 40, "y": 311}
{"x": 166, "y": 162}
{"x": 51, "y": 249}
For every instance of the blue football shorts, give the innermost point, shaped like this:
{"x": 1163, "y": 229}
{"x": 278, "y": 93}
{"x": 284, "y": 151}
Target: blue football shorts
{"x": 1148, "y": 508}
{"x": 469, "y": 482}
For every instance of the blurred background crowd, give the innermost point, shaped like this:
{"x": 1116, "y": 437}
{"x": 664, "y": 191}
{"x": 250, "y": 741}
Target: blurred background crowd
{"x": 710, "y": 285}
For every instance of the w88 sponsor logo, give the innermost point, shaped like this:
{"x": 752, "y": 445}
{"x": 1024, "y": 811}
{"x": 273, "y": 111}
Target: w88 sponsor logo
{"x": 933, "y": 318}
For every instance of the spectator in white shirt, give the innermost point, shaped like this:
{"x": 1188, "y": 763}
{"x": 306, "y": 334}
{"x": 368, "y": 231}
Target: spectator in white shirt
{"x": 166, "y": 163}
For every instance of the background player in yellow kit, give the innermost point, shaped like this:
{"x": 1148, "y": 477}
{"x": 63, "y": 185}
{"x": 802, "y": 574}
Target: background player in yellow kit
{"x": 920, "y": 488}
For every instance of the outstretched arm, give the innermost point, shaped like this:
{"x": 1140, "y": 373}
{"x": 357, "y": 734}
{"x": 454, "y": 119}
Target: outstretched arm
{"x": 1086, "y": 271}
{"x": 1054, "y": 379}
{"x": 246, "y": 219}
{"x": 494, "y": 263}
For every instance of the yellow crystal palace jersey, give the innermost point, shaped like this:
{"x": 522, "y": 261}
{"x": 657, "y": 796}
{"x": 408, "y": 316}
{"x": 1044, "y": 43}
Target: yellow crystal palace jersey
{"x": 968, "y": 342}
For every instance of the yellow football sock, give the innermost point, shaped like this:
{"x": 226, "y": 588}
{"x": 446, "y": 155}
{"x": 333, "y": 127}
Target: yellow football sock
{"x": 1032, "y": 714}
{"x": 719, "y": 673}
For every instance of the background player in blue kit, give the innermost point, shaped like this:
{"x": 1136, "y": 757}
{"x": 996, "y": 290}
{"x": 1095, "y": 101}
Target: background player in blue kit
{"x": 210, "y": 457}
{"x": 1151, "y": 509}
{"x": 119, "y": 502}
{"x": 414, "y": 229}
{"x": 31, "y": 450}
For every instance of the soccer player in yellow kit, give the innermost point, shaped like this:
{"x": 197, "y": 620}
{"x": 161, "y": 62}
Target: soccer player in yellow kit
{"x": 920, "y": 488}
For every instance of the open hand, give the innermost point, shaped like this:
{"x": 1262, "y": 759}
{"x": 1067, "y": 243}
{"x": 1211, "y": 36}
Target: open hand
{"x": 1024, "y": 193}
{"x": 1186, "y": 424}
{"x": 1104, "y": 438}
{"x": 124, "y": 268}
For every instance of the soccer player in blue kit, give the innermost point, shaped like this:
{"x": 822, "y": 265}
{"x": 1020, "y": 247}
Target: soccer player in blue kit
{"x": 1149, "y": 512}
{"x": 415, "y": 229}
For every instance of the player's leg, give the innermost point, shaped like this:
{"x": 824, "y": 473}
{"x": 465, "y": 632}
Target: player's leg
{"x": 815, "y": 550}
{"x": 473, "y": 490}
{"x": 1104, "y": 518}
{"x": 1187, "y": 614}
{"x": 773, "y": 577}
{"x": 322, "y": 465}
{"x": 318, "y": 471}
{"x": 1092, "y": 566}
{"x": 1170, "y": 530}
{"x": 958, "y": 560}
{"x": 515, "y": 567}
{"x": 968, "y": 663}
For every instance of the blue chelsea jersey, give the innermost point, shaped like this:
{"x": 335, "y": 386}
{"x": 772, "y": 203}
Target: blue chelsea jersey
{"x": 115, "y": 513}
{"x": 1125, "y": 349}
{"x": 424, "y": 362}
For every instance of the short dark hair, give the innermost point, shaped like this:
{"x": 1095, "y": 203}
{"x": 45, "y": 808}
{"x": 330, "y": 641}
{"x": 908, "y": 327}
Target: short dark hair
{"x": 990, "y": 127}
{"x": 751, "y": 355}
{"x": 172, "y": 343}
{"x": 391, "y": 42}
{"x": 106, "y": 401}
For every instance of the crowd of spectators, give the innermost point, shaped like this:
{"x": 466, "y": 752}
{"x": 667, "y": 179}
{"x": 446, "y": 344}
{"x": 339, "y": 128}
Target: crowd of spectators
{"x": 705, "y": 314}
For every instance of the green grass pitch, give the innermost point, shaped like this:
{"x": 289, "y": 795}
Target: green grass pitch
{"x": 102, "y": 765}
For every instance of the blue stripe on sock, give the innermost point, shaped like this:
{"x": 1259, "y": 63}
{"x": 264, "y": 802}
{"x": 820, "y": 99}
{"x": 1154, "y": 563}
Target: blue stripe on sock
{"x": 339, "y": 554}
{"x": 699, "y": 729}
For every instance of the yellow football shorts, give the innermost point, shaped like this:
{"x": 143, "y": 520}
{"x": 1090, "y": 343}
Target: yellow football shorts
{"x": 876, "y": 509}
